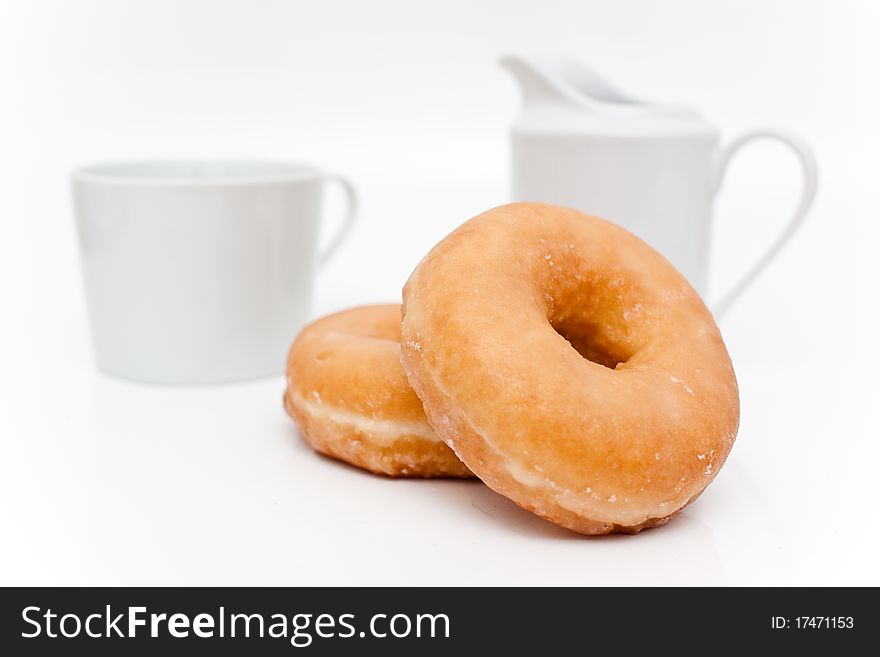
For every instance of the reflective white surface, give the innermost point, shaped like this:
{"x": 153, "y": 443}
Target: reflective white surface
{"x": 108, "y": 482}
{"x": 112, "y": 482}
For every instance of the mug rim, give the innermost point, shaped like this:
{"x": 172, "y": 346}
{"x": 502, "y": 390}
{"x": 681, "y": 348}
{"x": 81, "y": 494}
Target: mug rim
{"x": 194, "y": 172}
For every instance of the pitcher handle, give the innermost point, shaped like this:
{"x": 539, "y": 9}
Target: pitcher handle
{"x": 348, "y": 218}
{"x": 808, "y": 192}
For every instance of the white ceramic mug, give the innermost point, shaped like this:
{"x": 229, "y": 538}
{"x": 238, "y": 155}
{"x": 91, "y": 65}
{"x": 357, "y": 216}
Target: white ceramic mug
{"x": 200, "y": 272}
{"x": 652, "y": 168}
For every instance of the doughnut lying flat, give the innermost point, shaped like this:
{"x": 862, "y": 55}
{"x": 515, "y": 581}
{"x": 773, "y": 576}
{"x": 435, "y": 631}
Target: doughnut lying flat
{"x": 571, "y": 367}
{"x": 350, "y": 398}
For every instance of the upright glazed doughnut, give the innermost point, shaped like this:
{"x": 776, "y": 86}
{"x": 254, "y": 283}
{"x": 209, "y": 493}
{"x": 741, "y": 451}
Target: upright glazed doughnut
{"x": 349, "y": 396}
{"x": 570, "y": 367}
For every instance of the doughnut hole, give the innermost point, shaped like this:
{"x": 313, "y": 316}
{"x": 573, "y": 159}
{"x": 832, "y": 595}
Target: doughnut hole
{"x": 592, "y": 342}
{"x": 592, "y": 313}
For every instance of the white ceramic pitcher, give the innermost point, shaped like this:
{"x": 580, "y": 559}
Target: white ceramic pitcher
{"x": 652, "y": 168}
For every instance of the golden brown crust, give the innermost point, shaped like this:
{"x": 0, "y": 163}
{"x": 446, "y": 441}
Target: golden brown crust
{"x": 347, "y": 392}
{"x": 614, "y": 427}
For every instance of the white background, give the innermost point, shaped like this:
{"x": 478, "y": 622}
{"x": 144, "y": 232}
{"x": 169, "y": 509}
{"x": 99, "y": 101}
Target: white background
{"x": 107, "y": 482}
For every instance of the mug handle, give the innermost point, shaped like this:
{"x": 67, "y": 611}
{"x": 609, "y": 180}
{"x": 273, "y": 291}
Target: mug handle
{"x": 347, "y": 220}
{"x": 808, "y": 192}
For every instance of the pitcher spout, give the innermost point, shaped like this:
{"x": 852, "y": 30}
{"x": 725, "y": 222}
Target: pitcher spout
{"x": 548, "y": 80}
{"x": 537, "y": 85}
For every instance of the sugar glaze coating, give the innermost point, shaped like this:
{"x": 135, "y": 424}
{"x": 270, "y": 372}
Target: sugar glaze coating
{"x": 347, "y": 392}
{"x": 571, "y": 367}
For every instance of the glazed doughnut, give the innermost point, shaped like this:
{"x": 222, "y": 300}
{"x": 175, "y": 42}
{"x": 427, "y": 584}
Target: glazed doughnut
{"x": 347, "y": 392}
{"x": 571, "y": 367}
